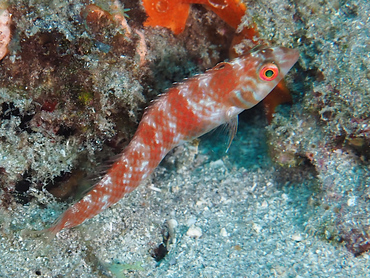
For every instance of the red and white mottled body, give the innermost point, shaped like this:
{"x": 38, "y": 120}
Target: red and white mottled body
{"x": 187, "y": 111}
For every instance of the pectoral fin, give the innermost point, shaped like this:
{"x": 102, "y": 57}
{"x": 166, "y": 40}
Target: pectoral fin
{"x": 232, "y": 127}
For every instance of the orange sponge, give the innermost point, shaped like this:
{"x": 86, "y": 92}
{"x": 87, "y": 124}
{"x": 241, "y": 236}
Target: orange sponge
{"x": 173, "y": 14}
{"x": 167, "y": 13}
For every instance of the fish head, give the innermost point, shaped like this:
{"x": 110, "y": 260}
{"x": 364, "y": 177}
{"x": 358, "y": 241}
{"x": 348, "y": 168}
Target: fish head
{"x": 259, "y": 72}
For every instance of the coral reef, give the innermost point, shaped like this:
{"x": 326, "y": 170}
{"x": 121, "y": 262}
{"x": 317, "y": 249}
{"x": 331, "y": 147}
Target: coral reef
{"x": 328, "y": 126}
{"x": 75, "y": 83}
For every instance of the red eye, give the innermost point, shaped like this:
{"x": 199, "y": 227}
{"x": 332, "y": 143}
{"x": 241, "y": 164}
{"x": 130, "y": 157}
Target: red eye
{"x": 269, "y": 72}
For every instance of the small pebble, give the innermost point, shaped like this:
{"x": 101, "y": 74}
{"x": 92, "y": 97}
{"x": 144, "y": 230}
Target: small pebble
{"x": 224, "y": 233}
{"x": 172, "y": 224}
{"x": 194, "y": 232}
{"x": 257, "y": 228}
{"x": 217, "y": 164}
{"x": 297, "y": 237}
{"x": 351, "y": 202}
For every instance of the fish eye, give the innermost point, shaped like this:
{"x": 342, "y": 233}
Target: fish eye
{"x": 269, "y": 72}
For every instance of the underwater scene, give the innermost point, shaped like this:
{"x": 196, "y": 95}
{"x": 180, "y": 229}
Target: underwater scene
{"x": 184, "y": 138}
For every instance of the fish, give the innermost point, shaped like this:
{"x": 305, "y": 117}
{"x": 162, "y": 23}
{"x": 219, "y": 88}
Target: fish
{"x": 186, "y": 111}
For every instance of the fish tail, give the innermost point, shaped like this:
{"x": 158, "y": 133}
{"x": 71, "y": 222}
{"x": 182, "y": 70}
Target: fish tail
{"x": 121, "y": 179}
{"x": 98, "y": 199}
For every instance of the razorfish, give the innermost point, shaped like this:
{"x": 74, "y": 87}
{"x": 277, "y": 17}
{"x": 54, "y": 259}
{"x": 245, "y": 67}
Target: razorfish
{"x": 185, "y": 112}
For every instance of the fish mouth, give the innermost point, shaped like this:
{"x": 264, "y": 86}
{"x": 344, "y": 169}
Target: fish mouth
{"x": 287, "y": 57}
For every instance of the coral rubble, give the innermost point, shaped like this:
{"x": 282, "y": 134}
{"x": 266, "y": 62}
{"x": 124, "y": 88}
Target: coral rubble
{"x": 328, "y": 126}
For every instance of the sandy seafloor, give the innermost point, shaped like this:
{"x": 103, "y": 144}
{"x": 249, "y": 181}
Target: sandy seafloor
{"x": 250, "y": 213}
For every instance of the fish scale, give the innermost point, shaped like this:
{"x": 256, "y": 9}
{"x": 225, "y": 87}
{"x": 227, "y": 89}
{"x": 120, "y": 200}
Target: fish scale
{"x": 186, "y": 111}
